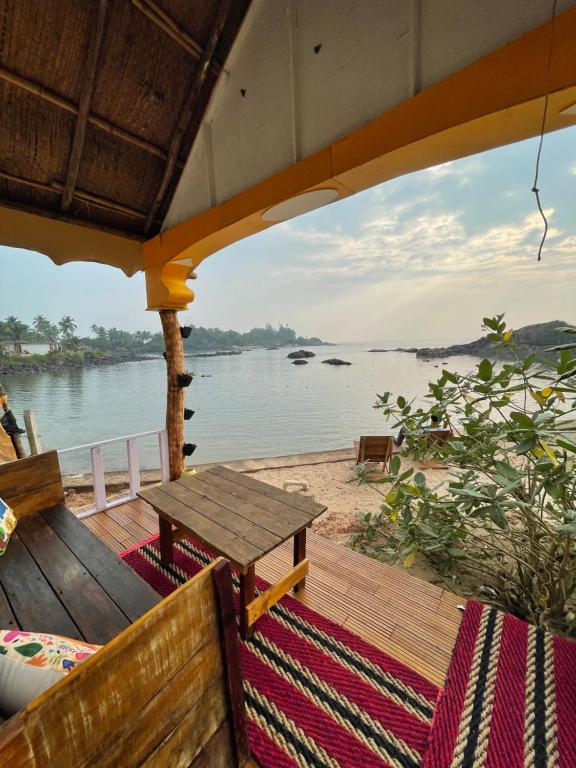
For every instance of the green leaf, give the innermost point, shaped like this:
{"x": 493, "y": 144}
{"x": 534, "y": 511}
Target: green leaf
{"x": 470, "y": 492}
{"x": 395, "y": 465}
{"x": 526, "y": 445}
{"x": 569, "y": 528}
{"x": 457, "y": 554}
{"x": 409, "y": 559}
{"x": 567, "y": 444}
{"x": 498, "y": 517}
{"x": 491, "y": 322}
{"x": 451, "y": 377}
{"x": 485, "y": 370}
{"x": 522, "y": 420}
{"x": 419, "y": 479}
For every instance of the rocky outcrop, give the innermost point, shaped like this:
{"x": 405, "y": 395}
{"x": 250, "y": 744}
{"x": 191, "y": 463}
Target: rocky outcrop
{"x": 299, "y": 362}
{"x": 299, "y": 354}
{"x": 335, "y": 361}
{"x": 398, "y": 349}
{"x": 8, "y": 366}
{"x": 214, "y": 354}
{"x": 537, "y": 339}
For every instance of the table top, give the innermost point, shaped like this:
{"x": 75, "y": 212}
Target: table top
{"x": 234, "y": 514}
{"x": 57, "y": 577}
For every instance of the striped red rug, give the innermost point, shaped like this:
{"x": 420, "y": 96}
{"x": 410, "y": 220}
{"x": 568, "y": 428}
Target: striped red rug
{"x": 317, "y": 696}
{"x": 509, "y": 699}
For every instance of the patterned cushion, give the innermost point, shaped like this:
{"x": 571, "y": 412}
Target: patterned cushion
{"x": 7, "y": 525}
{"x": 42, "y": 650}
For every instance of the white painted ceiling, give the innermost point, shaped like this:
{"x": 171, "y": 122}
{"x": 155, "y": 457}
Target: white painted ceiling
{"x": 303, "y": 73}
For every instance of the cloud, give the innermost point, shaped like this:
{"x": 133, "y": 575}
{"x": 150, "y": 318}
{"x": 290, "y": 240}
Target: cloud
{"x": 460, "y": 170}
{"x": 411, "y": 240}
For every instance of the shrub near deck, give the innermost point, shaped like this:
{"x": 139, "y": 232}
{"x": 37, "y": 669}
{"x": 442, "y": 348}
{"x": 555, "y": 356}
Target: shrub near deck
{"x": 507, "y": 519}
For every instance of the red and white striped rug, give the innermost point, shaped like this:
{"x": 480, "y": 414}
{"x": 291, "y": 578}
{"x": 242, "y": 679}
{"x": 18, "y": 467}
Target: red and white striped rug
{"x": 317, "y": 696}
{"x": 509, "y": 699}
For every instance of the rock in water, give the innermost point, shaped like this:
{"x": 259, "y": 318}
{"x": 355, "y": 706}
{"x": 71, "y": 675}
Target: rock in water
{"x": 336, "y": 361}
{"x": 299, "y": 362}
{"x": 300, "y": 354}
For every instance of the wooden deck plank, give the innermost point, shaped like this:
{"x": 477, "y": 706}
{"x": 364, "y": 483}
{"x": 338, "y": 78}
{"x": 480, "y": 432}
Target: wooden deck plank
{"x": 132, "y": 596}
{"x": 413, "y": 621}
{"x": 89, "y": 606}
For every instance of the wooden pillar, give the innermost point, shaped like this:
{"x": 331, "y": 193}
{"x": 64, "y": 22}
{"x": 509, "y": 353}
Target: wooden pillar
{"x": 175, "y": 394}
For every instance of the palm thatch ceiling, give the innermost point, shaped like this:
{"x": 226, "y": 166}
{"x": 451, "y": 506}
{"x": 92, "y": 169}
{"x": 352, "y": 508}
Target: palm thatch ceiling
{"x": 100, "y": 102}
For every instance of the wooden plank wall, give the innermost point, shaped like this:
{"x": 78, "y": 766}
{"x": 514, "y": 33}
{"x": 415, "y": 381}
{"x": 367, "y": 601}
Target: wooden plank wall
{"x": 157, "y": 695}
{"x": 32, "y": 484}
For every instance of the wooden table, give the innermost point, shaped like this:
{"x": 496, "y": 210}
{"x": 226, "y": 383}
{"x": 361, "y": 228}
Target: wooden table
{"x": 241, "y": 519}
{"x": 56, "y": 576}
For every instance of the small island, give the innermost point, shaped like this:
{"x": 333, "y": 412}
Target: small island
{"x": 530, "y": 339}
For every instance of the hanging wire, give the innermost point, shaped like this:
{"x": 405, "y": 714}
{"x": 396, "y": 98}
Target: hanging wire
{"x": 542, "y": 130}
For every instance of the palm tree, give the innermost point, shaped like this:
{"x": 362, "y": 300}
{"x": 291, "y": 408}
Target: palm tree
{"x": 43, "y": 328}
{"x": 67, "y": 326}
{"x": 142, "y": 337}
{"x": 15, "y": 329}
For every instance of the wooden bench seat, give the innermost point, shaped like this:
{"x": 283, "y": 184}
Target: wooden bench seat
{"x": 165, "y": 690}
{"x": 57, "y": 576}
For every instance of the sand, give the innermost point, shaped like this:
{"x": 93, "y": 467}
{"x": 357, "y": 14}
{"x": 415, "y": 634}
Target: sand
{"x": 335, "y": 484}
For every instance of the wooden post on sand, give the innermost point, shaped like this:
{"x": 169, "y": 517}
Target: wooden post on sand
{"x": 175, "y": 396}
{"x": 32, "y": 433}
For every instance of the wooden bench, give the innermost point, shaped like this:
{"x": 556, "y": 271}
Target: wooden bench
{"x": 56, "y": 575}
{"x": 165, "y": 691}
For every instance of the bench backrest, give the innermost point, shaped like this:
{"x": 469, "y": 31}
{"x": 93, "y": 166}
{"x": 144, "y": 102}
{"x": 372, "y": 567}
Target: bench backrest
{"x": 375, "y": 448}
{"x": 166, "y": 692}
{"x": 32, "y": 484}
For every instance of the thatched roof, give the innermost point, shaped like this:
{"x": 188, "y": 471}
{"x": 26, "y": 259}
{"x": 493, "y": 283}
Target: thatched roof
{"x": 101, "y": 101}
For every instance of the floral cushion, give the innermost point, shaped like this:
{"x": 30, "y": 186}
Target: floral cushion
{"x": 42, "y": 650}
{"x": 7, "y": 525}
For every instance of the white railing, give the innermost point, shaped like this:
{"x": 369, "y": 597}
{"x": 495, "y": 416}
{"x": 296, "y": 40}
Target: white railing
{"x": 98, "y": 476}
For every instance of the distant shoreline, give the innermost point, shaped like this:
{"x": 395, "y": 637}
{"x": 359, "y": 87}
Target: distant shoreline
{"x": 48, "y": 364}
{"x": 8, "y": 367}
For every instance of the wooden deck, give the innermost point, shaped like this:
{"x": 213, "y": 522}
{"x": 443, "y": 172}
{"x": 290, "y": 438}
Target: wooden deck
{"x": 410, "y": 619}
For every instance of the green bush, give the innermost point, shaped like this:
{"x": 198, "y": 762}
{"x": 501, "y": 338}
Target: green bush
{"x": 506, "y": 521}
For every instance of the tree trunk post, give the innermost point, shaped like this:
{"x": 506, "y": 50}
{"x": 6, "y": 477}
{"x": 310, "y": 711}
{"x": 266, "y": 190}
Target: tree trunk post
{"x": 175, "y": 393}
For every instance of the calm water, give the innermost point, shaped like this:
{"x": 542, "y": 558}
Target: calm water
{"x": 250, "y": 405}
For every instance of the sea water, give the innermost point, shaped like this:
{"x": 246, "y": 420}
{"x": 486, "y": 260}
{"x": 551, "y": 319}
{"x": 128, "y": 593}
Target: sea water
{"x": 251, "y": 405}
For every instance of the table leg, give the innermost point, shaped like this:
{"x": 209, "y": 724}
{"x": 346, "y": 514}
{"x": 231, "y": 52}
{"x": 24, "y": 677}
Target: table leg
{"x": 247, "y": 594}
{"x": 166, "y": 541}
{"x": 299, "y": 555}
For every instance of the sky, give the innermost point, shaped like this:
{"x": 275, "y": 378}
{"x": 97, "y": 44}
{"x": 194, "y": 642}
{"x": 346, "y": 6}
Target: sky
{"x": 421, "y": 257}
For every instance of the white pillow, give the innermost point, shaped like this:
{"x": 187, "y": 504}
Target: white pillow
{"x": 21, "y": 683}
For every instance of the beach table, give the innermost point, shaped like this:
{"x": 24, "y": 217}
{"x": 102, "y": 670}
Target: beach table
{"x": 241, "y": 519}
